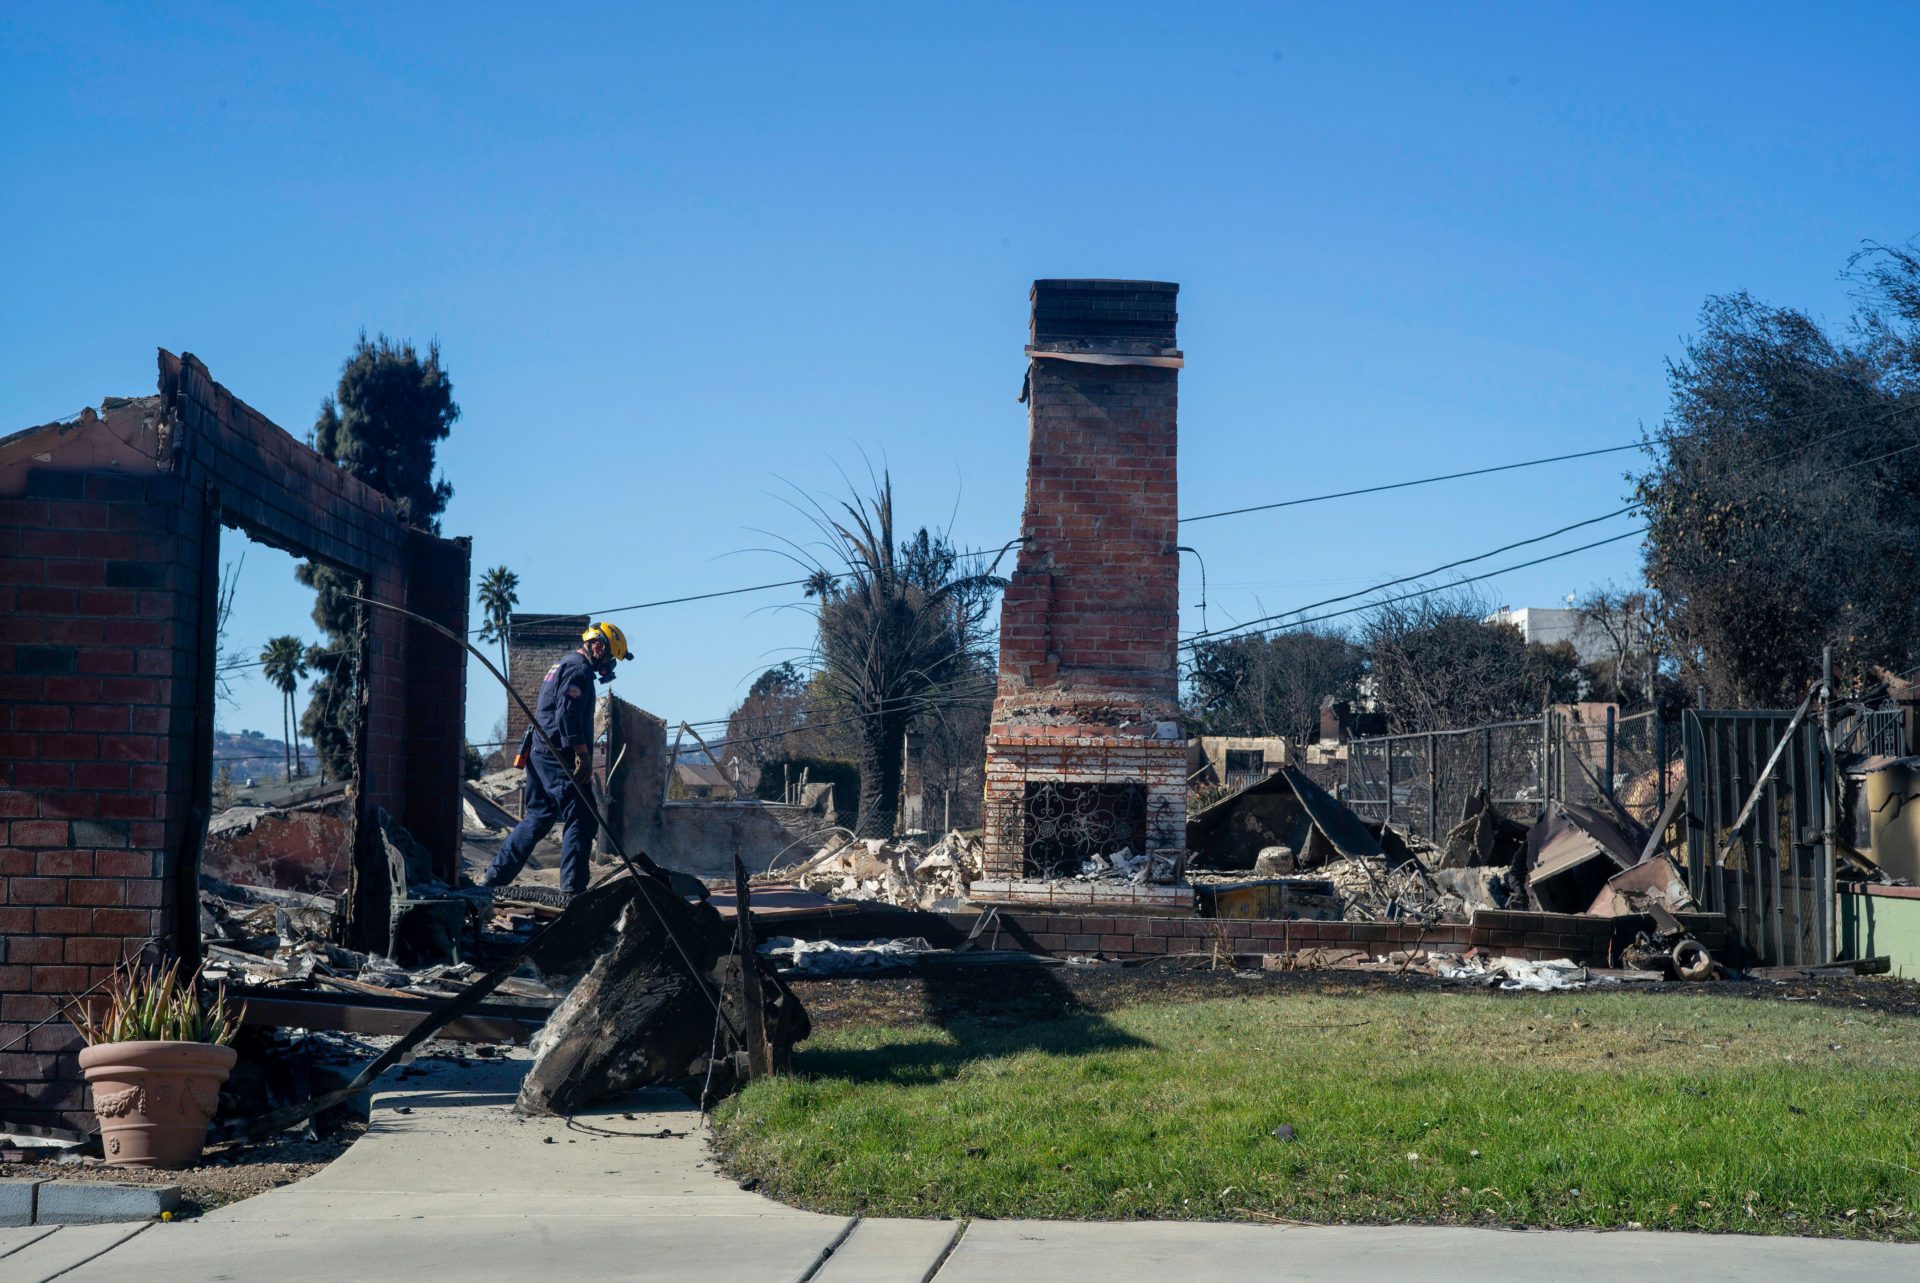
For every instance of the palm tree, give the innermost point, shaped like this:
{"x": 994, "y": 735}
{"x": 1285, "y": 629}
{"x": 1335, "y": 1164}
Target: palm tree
{"x": 284, "y": 660}
{"x": 499, "y": 594}
{"x": 896, "y": 636}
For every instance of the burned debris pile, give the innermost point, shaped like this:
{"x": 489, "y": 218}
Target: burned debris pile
{"x": 1289, "y": 831}
{"x": 655, "y": 993}
{"x": 902, "y": 872}
{"x": 1575, "y": 859}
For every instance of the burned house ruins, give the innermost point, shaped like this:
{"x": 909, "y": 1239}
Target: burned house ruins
{"x": 109, "y": 565}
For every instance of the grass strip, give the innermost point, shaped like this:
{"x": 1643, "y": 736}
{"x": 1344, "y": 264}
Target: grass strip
{"x": 1621, "y": 1110}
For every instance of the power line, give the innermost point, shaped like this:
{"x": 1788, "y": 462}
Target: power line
{"x": 666, "y": 601}
{"x": 1192, "y": 642}
{"x": 1285, "y": 503}
{"x": 1402, "y": 485}
{"x": 1264, "y": 507}
{"x": 734, "y": 592}
{"x": 1405, "y": 579}
{"x": 1250, "y": 627}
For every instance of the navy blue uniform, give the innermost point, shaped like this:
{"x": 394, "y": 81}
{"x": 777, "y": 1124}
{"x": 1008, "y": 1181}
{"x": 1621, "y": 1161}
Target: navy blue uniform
{"x": 565, "y": 712}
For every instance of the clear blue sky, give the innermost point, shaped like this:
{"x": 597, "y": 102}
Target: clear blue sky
{"x": 680, "y": 257}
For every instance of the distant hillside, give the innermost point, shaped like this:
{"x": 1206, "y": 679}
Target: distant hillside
{"x": 251, "y": 755}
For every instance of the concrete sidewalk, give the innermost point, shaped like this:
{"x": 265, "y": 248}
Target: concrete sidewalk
{"x": 448, "y": 1184}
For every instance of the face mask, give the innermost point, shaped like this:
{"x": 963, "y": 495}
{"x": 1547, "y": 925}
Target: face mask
{"x": 603, "y": 668}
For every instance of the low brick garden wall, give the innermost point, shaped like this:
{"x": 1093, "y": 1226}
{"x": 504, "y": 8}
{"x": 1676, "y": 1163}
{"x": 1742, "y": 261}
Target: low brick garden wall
{"x": 1527, "y": 935}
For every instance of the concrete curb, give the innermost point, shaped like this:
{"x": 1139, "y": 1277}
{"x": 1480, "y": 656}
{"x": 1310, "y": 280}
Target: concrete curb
{"x": 101, "y": 1202}
{"x": 16, "y": 1202}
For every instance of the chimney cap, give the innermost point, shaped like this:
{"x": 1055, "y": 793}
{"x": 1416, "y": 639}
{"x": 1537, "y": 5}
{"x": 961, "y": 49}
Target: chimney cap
{"x": 1104, "y": 315}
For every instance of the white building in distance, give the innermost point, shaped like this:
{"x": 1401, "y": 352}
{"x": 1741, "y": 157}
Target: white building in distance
{"x": 1550, "y": 624}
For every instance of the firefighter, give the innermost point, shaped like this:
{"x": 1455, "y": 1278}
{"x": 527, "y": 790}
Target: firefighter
{"x": 557, "y": 787}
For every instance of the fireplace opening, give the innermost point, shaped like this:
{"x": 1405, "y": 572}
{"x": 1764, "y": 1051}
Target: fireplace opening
{"x": 1065, "y": 822}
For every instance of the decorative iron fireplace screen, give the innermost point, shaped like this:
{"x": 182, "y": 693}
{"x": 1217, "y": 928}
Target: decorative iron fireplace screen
{"x": 1065, "y": 822}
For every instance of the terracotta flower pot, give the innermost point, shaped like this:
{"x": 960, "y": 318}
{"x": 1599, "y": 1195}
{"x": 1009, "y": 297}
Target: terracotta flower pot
{"x": 155, "y": 1099}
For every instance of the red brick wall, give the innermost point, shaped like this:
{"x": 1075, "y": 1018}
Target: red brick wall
{"x": 103, "y": 558}
{"x": 538, "y": 642}
{"x": 1095, "y": 596}
{"x": 90, "y": 783}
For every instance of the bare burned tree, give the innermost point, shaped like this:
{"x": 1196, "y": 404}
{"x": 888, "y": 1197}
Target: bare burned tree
{"x": 226, "y": 660}
{"x": 1626, "y": 621}
{"x": 1270, "y": 685}
{"x": 1434, "y": 663}
{"x": 1783, "y": 492}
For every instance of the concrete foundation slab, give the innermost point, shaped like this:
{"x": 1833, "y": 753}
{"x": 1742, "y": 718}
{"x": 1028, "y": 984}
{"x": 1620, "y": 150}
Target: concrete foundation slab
{"x": 13, "y": 1238}
{"x": 460, "y": 1188}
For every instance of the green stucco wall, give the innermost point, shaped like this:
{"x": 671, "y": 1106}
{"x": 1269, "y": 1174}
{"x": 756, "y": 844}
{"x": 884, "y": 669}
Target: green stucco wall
{"x": 1872, "y": 925}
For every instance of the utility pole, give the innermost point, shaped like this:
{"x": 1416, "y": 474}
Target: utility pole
{"x": 1829, "y": 802}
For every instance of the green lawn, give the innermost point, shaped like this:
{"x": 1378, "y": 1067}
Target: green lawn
{"x": 1594, "y": 1109}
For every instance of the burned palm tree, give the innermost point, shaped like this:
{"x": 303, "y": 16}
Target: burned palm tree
{"x": 897, "y": 627}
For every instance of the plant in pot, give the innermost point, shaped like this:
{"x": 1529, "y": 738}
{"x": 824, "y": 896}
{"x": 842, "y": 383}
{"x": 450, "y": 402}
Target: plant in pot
{"x": 155, "y": 1058}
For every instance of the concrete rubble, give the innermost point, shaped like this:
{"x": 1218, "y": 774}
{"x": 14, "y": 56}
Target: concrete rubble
{"x": 1519, "y": 973}
{"x": 901, "y": 872}
{"x": 303, "y": 846}
{"x": 841, "y": 957}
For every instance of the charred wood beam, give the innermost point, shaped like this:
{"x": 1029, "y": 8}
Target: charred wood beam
{"x": 371, "y": 1015}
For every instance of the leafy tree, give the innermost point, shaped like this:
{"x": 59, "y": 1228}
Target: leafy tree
{"x": 391, "y": 408}
{"x": 774, "y": 710}
{"x": 1270, "y": 685}
{"x": 284, "y": 661}
{"x": 499, "y": 594}
{"x": 895, "y": 625}
{"x": 383, "y": 421}
{"x": 1783, "y": 492}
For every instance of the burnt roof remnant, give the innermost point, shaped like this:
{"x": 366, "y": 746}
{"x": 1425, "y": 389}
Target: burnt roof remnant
{"x": 1575, "y": 849}
{"x": 1285, "y": 809}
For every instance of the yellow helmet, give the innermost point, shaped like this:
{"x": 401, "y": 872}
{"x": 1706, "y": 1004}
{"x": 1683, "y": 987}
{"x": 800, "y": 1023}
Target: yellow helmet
{"x": 615, "y": 639}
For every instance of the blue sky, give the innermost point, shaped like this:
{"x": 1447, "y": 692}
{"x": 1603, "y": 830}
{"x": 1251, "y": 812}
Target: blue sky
{"x": 684, "y": 258}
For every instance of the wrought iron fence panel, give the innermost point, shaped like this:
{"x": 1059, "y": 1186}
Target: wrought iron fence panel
{"x": 1770, "y": 876}
{"x": 1421, "y": 783}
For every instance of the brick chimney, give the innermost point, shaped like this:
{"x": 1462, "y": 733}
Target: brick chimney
{"x": 535, "y": 643}
{"x": 1083, "y": 755}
